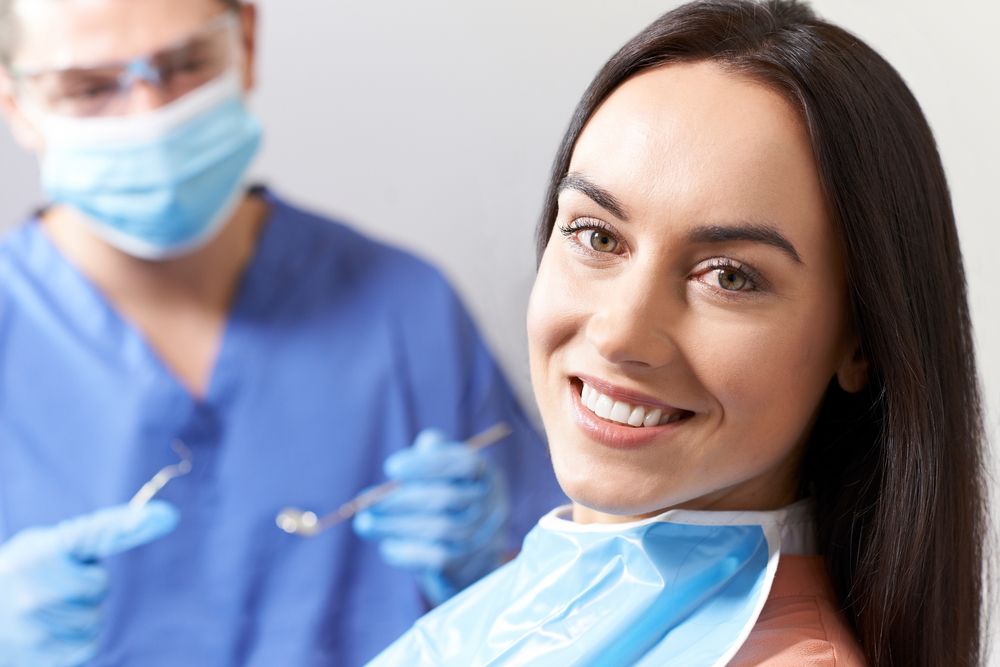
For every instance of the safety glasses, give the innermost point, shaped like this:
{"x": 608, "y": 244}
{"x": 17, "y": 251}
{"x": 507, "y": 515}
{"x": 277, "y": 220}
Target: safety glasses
{"x": 103, "y": 89}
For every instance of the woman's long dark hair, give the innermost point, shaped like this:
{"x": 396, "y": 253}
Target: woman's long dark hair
{"x": 896, "y": 471}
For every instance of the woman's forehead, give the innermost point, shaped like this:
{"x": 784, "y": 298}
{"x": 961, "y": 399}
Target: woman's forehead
{"x": 59, "y": 33}
{"x": 694, "y": 135}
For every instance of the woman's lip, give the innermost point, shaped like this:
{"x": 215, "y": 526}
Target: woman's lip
{"x": 612, "y": 434}
{"x": 635, "y": 398}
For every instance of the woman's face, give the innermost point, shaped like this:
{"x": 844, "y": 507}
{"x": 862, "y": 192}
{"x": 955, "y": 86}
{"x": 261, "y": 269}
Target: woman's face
{"x": 690, "y": 309}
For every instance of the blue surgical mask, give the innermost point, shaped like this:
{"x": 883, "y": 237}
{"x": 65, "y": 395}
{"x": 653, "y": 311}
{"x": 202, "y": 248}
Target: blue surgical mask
{"x": 159, "y": 184}
{"x": 682, "y": 588}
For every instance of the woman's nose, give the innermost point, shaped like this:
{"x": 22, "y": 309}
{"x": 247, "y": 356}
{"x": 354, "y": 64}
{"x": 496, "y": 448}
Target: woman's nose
{"x": 631, "y": 322}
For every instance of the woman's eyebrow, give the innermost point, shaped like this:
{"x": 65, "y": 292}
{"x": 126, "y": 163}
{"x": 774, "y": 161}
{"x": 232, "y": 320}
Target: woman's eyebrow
{"x": 753, "y": 232}
{"x": 577, "y": 181}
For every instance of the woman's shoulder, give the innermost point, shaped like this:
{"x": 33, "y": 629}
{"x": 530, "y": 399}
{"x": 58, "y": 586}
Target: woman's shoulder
{"x": 800, "y": 624}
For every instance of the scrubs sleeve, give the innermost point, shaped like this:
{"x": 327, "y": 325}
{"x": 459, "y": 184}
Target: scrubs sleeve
{"x": 459, "y": 388}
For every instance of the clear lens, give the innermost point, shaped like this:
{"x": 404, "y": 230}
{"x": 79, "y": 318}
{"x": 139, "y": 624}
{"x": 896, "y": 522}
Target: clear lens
{"x": 75, "y": 91}
{"x": 104, "y": 90}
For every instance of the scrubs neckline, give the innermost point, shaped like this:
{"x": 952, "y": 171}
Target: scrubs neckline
{"x": 97, "y": 316}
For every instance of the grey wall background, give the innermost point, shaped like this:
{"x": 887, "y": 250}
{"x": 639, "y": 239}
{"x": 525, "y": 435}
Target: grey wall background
{"x": 432, "y": 124}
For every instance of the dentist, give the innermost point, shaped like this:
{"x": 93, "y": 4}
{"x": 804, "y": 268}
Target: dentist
{"x": 157, "y": 299}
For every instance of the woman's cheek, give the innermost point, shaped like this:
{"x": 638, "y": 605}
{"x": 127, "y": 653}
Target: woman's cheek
{"x": 767, "y": 386}
{"x": 557, "y": 307}
{"x": 541, "y": 315}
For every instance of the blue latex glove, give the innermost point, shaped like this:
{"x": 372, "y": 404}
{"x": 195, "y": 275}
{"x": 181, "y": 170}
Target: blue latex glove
{"x": 52, "y": 582}
{"x": 447, "y": 521}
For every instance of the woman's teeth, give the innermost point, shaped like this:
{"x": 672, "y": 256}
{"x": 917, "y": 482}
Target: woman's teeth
{"x": 625, "y": 413}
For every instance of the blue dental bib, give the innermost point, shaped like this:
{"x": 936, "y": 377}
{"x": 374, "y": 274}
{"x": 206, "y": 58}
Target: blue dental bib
{"x": 682, "y": 588}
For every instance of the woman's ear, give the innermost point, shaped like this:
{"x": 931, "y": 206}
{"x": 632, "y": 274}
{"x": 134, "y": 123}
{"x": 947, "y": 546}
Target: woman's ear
{"x": 852, "y": 374}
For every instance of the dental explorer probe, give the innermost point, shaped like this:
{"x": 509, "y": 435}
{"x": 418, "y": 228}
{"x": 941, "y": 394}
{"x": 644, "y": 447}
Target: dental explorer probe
{"x": 306, "y": 524}
{"x": 149, "y": 490}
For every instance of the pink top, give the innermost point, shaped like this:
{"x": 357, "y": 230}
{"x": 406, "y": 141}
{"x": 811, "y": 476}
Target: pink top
{"x": 800, "y": 625}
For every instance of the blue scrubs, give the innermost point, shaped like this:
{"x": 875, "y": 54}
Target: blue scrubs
{"x": 337, "y": 352}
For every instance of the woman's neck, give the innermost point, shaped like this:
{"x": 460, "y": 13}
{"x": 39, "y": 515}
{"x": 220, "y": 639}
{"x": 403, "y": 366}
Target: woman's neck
{"x": 754, "y": 495}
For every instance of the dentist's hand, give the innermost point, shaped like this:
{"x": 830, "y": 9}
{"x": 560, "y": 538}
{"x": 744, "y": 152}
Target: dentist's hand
{"x": 447, "y": 521}
{"x": 52, "y": 582}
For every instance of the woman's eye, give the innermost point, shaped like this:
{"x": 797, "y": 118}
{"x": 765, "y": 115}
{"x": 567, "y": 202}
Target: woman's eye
{"x": 599, "y": 240}
{"x": 731, "y": 281}
{"x": 592, "y": 236}
{"x": 730, "y": 277}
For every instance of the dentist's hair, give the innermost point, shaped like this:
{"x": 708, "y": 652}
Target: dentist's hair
{"x": 8, "y": 27}
{"x": 896, "y": 471}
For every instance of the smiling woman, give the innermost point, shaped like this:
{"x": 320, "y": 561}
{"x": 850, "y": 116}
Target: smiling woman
{"x": 748, "y": 221}
{"x": 655, "y": 292}
{"x": 751, "y": 350}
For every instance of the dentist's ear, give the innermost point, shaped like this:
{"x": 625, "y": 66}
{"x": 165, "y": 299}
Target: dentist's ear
{"x": 852, "y": 374}
{"x": 21, "y": 128}
{"x": 248, "y": 25}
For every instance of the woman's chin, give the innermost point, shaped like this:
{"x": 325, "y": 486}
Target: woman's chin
{"x": 613, "y": 494}
{"x": 609, "y": 503}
